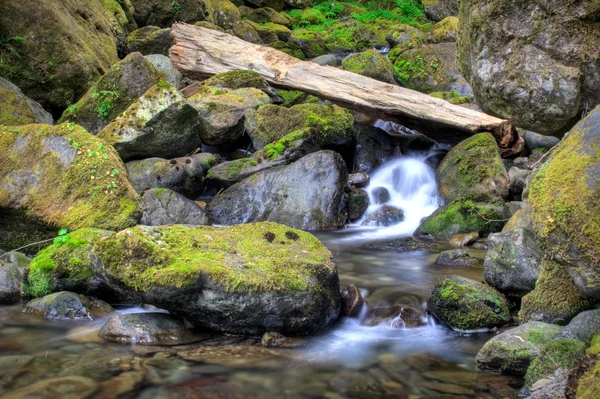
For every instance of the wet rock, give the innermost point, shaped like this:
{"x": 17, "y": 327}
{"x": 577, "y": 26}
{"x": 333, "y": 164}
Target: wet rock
{"x": 455, "y": 258}
{"x": 265, "y": 15}
{"x": 358, "y": 202}
{"x": 583, "y": 326}
{"x": 18, "y": 109}
{"x": 517, "y": 180}
{"x": 182, "y": 175}
{"x": 553, "y": 386}
{"x": 371, "y": 64}
{"x": 326, "y": 59}
{"x": 352, "y": 301}
{"x": 231, "y": 356}
{"x": 162, "y": 206}
{"x": 406, "y": 244}
{"x": 381, "y": 195}
{"x": 384, "y": 216}
{"x": 65, "y": 387}
{"x": 11, "y": 277}
{"x": 290, "y": 194}
{"x": 513, "y": 261}
{"x": 148, "y": 329}
{"x": 112, "y": 93}
{"x": 558, "y": 354}
{"x": 150, "y": 40}
{"x": 245, "y": 279}
{"x": 521, "y": 219}
{"x": 513, "y": 350}
{"x": 164, "y": 14}
{"x": 373, "y": 148}
{"x": 68, "y": 305}
{"x": 160, "y": 123}
{"x": 535, "y": 141}
{"x": 165, "y": 67}
{"x": 272, "y": 339}
{"x": 440, "y": 9}
{"x": 394, "y": 316}
{"x": 463, "y": 240}
{"x": 467, "y": 305}
{"x": 360, "y": 179}
{"x": 121, "y": 385}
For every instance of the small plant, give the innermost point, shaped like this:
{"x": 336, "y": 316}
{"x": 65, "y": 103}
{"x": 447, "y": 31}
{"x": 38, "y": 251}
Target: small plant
{"x": 176, "y": 6}
{"x": 7, "y": 45}
{"x": 62, "y": 238}
{"x": 105, "y": 102}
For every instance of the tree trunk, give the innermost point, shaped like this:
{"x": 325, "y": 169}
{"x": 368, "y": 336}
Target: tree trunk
{"x": 199, "y": 52}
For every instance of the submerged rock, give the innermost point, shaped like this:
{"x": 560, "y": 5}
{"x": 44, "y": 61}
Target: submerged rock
{"x": 467, "y": 305}
{"x": 68, "y": 305}
{"x": 455, "y": 258}
{"x": 63, "y": 387}
{"x": 18, "y": 109}
{"x": 394, "y": 316}
{"x": 245, "y": 279}
{"x": 272, "y": 339}
{"x": 162, "y": 206}
{"x": 183, "y": 175}
{"x": 148, "y": 329}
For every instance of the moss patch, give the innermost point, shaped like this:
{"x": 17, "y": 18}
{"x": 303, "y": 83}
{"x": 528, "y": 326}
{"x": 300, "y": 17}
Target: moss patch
{"x": 237, "y": 80}
{"x": 559, "y": 354}
{"x": 371, "y": 64}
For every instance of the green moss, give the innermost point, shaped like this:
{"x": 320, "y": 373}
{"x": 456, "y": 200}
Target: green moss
{"x": 277, "y": 148}
{"x": 288, "y": 48}
{"x": 232, "y": 169}
{"x": 461, "y": 217}
{"x": 559, "y": 354}
{"x": 237, "y": 79}
{"x": 371, "y": 64}
{"x": 452, "y": 97}
{"x": 14, "y": 109}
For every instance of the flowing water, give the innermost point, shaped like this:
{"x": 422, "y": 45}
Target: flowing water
{"x": 350, "y": 360}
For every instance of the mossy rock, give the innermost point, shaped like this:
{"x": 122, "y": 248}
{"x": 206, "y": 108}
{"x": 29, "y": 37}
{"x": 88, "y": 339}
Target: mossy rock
{"x": 66, "y": 305}
{"x": 473, "y": 169}
{"x": 444, "y": 31}
{"x": 62, "y": 47}
{"x": 163, "y": 13}
{"x": 222, "y": 13}
{"x": 311, "y": 43}
{"x": 245, "y": 31}
{"x": 150, "y": 40}
{"x": 245, "y": 279}
{"x": 560, "y": 354}
{"x": 370, "y": 64}
{"x": 565, "y": 200}
{"x": 288, "y": 48}
{"x": 453, "y": 97}
{"x": 237, "y": 80}
{"x": 460, "y": 217}
{"x": 330, "y": 124}
{"x": 160, "y": 123}
{"x": 513, "y": 350}
{"x": 18, "y": 109}
{"x": 265, "y": 14}
{"x": 270, "y": 32}
{"x": 588, "y": 385}
{"x": 295, "y": 97}
{"x": 113, "y": 93}
{"x": 437, "y": 10}
{"x": 467, "y": 305}
{"x": 66, "y": 177}
{"x": 555, "y": 299}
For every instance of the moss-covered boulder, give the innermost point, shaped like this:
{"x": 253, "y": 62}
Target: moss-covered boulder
{"x": 66, "y": 177}
{"x": 559, "y": 354}
{"x": 164, "y": 13}
{"x": 56, "y": 47}
{"x": 221, "y": 112}
{"x": 160, "y": 123}
{"x": 18, "y": 109}
{"x": 473, "y": 169}
{"x": 245, "y": 31}
{"x": 288, "y": 48}
{"x": 237, "y": 80}
{"x": 372, "y": 64}
{"x": 311, "y": 43}
{"x": 440, "y": 9}
{"x": 556, "y": 299}
{"x": 504, "y": 46}
{"x": 113, "y": 93}
{"x": 565, "y": 199}
{"x": 162, "y": 206}
{"x": 246, "y": 279}
{"x": 265, "y": 14}
{"x": 307, "y": 194}
{"x": 513, "y": 350}
{"x": 461, "y": 217}
{"x": 467, "y": 305}
{"x": 271, "y": 32}
{"x": 444, "y": 31}
{"x": 222, "y": 13}
{"x": 331, "y": 124}
{"x": 150, "y": 40}
{"x": 183, "y": 175}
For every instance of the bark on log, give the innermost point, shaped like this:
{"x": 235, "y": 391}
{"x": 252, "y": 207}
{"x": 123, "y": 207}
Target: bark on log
{"x": 199, "y": 53}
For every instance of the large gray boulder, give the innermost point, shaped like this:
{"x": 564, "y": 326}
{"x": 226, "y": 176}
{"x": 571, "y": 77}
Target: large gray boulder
{"x": 583, "y": 326}
{"x": 18, "y": 109}
{"x": 534, "y": 63}
{"x": 308, "y": 194}
{"x": 162, "y": 206}
{"x": 440, "y": 9}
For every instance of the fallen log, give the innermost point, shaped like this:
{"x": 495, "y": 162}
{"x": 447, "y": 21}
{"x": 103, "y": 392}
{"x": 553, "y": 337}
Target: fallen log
{"x": 199, "y": 52}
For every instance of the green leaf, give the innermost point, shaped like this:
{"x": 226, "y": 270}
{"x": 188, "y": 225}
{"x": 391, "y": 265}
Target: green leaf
{"x": 62, "y": 232}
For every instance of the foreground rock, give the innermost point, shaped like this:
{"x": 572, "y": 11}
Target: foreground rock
{"x": 467, "y": 305}
{"x": 162, "y": 206}
{"x": 183, "y": 175}
{"x": 565, "y": 207}
{"x": 558, "y": 355}
{"x": 513, "y": 350}
{"x": 68, "y": 305}
{"x": 307, "y": 194}
{"x": 66, "y": 177}
{"x": 246, "y": 279}
{"x": 18, "y": 109}
{"x": 147, "y": 329}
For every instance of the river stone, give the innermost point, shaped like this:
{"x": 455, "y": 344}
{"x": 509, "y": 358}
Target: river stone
{"x": 165, "y": 67}
{"x": 147, "y": 329}
{"x": 384, "y": 217}
{"x": 162, "y": 206}
{"x": 440, "y": 9}
{"x": 18, "y": 109}
{"x": 473, "y": 169}
{"x": 245, "y": 279}
{"x": 463, "y": 240}
{"x": 182, "y": 175}
{"x": 68, "y": 305}
{"x": 272, "y": 339}
{"x": 513, "y": 261}
{"x": 359, "y": 179}
{"x": 150, "y": 40}
{"x": 397, "y": 316}
{"x": 520, "y": 219}
{"x": 112, "y": 93}
{"x": 380, "y": 195}
{"x": 544, "y": 36}
{"x": 11, "y": 363}
{"x": 371, "y": 64}
{"x": 308, "y": 194}
{"x": 565, "y": 207}
{"x": 352, "y": 301}
{"x": 583, "y": 326}
{"x": 513, "y": 350}
{"x": 222, "y": 13}
{"x": 10, "y": 282}
{"x": 534, "y": 141}
{"x": 455, "y": 258}
{"x": 160, "y": 123}
{"x": 165, "y": 13}
{"x": 221, "y": 112}
{"x": 358, "y": 203}
{"x": 467, "y": 305}
{"x": 63, "y": 387}
{"x": 65, "y": 177}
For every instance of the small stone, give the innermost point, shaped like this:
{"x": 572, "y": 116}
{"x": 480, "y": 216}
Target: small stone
{"x": 120, "y": 385}
{"x": 352, "y": 301}
{"x": 68, "y": 305}
{"x": 455, "y": 258}
{"x": 381, "y": 195}
{"x": 272, "y": 339}
{"x": 11, "y": 363}
{"x": 462, "y": 240}
{"x": 384, "y": 217}
{"x": 360, "y": 179}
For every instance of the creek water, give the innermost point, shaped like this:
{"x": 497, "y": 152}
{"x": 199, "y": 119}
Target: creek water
{"x": 350, "y": 360}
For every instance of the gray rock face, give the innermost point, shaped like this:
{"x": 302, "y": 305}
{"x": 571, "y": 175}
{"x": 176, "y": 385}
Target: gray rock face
{"x": 545, "y": 36}
{"x": 327, "y": 59}
{"x": 10, "y": 283}
{"x": 162, "y": 206}
{"x": 384, "y": 216}
{"x": 148, "y": 329}
{"x": 455, "y": 258}
{"x": 583, "y": 326}
{"x": 308, "y": 194}
{"x": 165, "y": 67}
{"x": 18, "y": 109}
{"x": 150, "y": 40}
{"x": 513, "y": 261}
{"x": 535, "y": 140}
{"x": 513, "y": 350}
{"x": 517, "y": 179}
{"x": 182, "y": 175}
{"x": 68, "y": 305}
{"x": 164, "y": 13}
{"x": 373, "y": 148}
{"x": 440, "y": 9}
